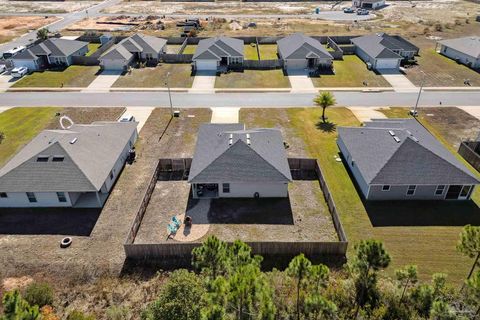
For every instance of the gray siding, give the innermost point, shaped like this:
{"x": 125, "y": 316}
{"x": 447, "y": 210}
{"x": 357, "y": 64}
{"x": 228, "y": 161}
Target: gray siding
{"x": 356, "y": 172}
{"x": 460, "y": 56}
{"x": 400, "y": 193}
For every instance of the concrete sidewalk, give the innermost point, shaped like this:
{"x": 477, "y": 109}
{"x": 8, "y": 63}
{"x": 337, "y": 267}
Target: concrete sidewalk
{"x": 6, "y": 81}
{"x": 398, "y": 81}
{"x": 474, "y": 111}
{"x": 141, "y": 114}
{"x": 103, "y": 81}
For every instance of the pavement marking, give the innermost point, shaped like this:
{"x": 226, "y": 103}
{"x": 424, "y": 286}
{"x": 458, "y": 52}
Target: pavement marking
{"x": 364, "y": 114}
{"x": 141, "y": 114}
{"x": 474, "y": 111}
{"x": 398, "y": 81}
{"x": 300, "y": 81}
{"x": 204, "y": 82}
{"x": 224, "y": 115}
{"x": 103, "y": 81}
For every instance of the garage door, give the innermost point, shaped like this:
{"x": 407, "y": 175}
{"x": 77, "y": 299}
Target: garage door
{"x": 387, "y": 64}
{"x": 296, "y": 64}
{"x": 206, "y": 64}
{"x": 113, "y": 64}
{"x": 30, "y": 64}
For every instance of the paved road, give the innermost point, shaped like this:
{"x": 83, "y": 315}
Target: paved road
{"x": 160, "y": 99}
{"x": 65, "y": 21}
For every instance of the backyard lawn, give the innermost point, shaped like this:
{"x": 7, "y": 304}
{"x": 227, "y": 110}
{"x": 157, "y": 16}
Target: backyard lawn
{"x": 20, "y": 125}
{"x": 253, "y": 79}
{"x": 73, "y": 76}
{"x": 189, "y": 49}
{"x": 267, "y": 52}
{"x": 180, "y": 77}
{"x": 250, "y": 52}
{"x": 92, "y": 47}
{"x": 350, "y": 72}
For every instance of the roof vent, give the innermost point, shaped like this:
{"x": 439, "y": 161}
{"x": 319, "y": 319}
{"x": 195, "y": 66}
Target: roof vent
{"x": 408, "y": 132}
{"x": 397, "y": 139}
{"x": 73, "y": 141}
{"x": 248, "y": 139}
{"x": 414, "y": 139}
{"x": 391, "y": 133}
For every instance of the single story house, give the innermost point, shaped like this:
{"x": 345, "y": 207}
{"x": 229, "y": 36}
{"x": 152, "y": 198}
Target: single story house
{"x": 233, "y": 162}
{"x": 398, "y": 159}
{"x": 465, "y": 50}
{"x": 368, "y": 4}
{"x": 51, "y": 52}
{"x": 214, "y": 53}
{"x": 300, "y": 52}
{"x": 383, "y": 51}
{"x": 68, "y": 168}
{"x": 137, "y": 47}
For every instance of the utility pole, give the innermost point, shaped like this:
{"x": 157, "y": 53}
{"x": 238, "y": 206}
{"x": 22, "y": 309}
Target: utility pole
{"x": 169, "y": 94}
{"x": 414, "y": 111}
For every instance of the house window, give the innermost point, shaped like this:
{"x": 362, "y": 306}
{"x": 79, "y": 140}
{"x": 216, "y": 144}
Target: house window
{"x": 42, "y": 158}
{"x": 465, "y": 191}
{"x": 439, "y": 190}
{"x": 385, "y": 187}
{"x": 148, "y": 56}
{"x": 31, "y": 197}
{"x": 411, "y": 190}
{"x": 58, "y": 158}
{"x": 226, "y": 187}
{"x": 3, "y": 195}
{"x": 61, "y": 197}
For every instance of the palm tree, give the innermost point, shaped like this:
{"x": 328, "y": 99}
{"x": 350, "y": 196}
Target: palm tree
{"x": 324, "y": 100}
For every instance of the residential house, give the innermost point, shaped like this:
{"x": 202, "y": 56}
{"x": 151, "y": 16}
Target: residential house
{"x": 68, "y": 168}
{"x": 301, "y": 52}
{"x": 368, "y": 4}
{"x": 51, "y": 52}
{"x": 138, "y": 47}
{"x": 383, "y": 51}
{"x": 217, "y": 53}
{"x": 465, "y": 50}
{"x": 398, "y": 159}
{"x": 233, "y": 162}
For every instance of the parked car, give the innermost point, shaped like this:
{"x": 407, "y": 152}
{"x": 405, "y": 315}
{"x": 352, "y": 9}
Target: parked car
{"x": 362, "y": 12}
{"x": 11, "y": 53}
{"x": 348, "y": 10}
{"x": 19, "y": 72}
{"x": 127, "y": 118}
{"x": 3, "y": 68}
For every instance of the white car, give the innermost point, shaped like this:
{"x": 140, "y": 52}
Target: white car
{"x": 19, "y": 72}
{"x": 126, "y": 118}
{"x": 3, "y": 68}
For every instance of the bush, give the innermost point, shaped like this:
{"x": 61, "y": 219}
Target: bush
{"x": 118, "y": 313}
{"x": 438, "y": 27}
{"x": 78, "y": 315}
{"x": 39, "y": 294}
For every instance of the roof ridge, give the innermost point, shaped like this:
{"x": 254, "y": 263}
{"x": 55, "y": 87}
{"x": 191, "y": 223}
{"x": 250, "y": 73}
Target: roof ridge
{"x": 76, "y": 165}
{"x": 388, "y": 160}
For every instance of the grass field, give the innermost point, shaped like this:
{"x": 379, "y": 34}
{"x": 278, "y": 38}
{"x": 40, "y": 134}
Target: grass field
{"x": 253, "y": 79}
{"x": 20, "y": 125}
{"x": 250, "y": 52}
{"x": 350, "y": 72}
{"x": 73, "y": 76}
{"x": 180, "y": 77}
{"x": 92, "y": 47}
{"x": 267, "y": 52}
{"x": 189, "y": 49}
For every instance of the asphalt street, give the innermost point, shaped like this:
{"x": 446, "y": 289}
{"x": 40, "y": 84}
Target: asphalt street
{"x": 266, "y": 100}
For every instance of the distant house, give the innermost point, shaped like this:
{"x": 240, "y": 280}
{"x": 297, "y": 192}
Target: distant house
{"x": 368, "y": 4}
{"x": 51, "y": 52}
{"x": 398, "y": 159}
{"x": 300, "y": 52}
{"x": 137, "y": 47}
{"x": 465, "y": 50}
{"x": 233, "y": 162}
{"x": 383, "y": 51}
{"x": 218, "y": 52}
{"x": 68, "y": 168}
{"x": 105, "y": 38}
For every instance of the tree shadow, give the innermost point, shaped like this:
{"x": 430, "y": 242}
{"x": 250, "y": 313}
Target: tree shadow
{"x": 326, "y": 126}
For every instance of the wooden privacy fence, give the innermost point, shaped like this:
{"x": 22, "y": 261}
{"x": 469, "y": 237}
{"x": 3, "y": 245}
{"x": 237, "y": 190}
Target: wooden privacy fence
{"x": 179, "y": 164}
{"x": 262, "y": 64}
{"x": 176, "y": 58}
{"x": 85, "y": 61}
{"x": 470, "y": 151}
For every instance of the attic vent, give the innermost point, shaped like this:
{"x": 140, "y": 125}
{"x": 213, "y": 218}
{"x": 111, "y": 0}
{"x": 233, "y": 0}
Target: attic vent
{"x": 42, "y": 158}
{"x": 408, "y": 132}
{"x": 58, "y": 158}
{"x": 73, "y": 141}
{"x": 391, "y": 133}
{"x": 396, "y": 139}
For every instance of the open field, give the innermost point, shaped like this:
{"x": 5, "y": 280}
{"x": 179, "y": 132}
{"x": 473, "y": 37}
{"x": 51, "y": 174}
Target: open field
{"x": 46, "y": 7}
{"x": 253, "y": 79}
{"x": 73, "y": 76}
{"x": 10, "y": 27}
{"x": 180, "y": 77}
{"x": 350, "y": 72}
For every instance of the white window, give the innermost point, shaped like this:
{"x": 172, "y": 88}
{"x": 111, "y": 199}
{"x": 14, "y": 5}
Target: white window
{"x": 439, "y": 190}
{"x": 386, "y": 187}
{"x": 61, "y": 197}
{"x": 226, "y": 187}
{"x": 31, "y": 197}
{"x": 411, "y": 190}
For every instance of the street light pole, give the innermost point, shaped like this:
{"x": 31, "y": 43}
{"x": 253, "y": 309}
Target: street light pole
{"x": 169, "y": 94}
{"x": 414, "y": 112}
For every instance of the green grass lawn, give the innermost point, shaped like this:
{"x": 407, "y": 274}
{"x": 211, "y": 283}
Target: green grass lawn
{"x": 189, "y": 49}
{"x": 440, "y": 71}
{"x": 20, "y": 125}
{"x": 350, "y": 72}
{"x": 180, "y": 77}
{"x": 73, "y": 76}
{"x": 250, "y": 52}
{"x": 267, "y": 52}
{"x": 92, "y": 47}
{"x": 253, "y": 79}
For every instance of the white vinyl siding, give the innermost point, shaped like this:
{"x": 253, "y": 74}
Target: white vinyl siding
{"x": 206, "y": 64}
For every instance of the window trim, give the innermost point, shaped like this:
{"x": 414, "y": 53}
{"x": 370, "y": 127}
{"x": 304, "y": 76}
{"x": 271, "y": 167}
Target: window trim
{"x": 386, "y": 189}
{"x": 442, "y": 187}
{"x": 226, "y": 186}
{"x": 62, "y": 197}
{"x": 408, "y": 190}
{"x": 58, "y": 158}
{"x": 3, "y": 195}
{"x": 42, "y": 158}
{"x": 32, "y": 198}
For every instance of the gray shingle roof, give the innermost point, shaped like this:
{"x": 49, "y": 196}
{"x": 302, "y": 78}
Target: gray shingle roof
{"x": 264, "y": 159}
{"x": 218, "y": 47}
{"x": 417, "y": 159}
{"x": 466, "y": 45}
{"x": 26, "y": 55}
{"x": 378, "y": 46}
{"x": 299, "y": 46}
{"x": 56, "y": 47}
{"x": 116, "y": 52}
{"x": 138, "y": 43}
{"x": 87, "y": 162}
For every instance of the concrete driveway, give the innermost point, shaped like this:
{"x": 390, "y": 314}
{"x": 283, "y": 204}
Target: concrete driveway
{"x": 6, "y": 81}
{"x": 141, "y": 114}
{"x": 300, "y": 81}
{"x": 474, "y": 111}
{"x": 204, "y": 82}
{"x": 103, "y": 81}
{"x": 224, "y": 115}
{"x": 398, "y": 81}
{"x": 364, "y": 114}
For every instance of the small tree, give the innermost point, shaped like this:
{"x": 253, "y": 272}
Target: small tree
{"x": 211, "y": 257}
{"x": 318, "y": 307}
{"x": 473, "y": 292}
{"x": 299, "y": 268}
{"x": 469, "y": 245}
{"x": 406, "y": 278}
{"x": 79, "y": 315}
{"x": 442, "y": 311}
{"x": 40, "y": 294}
{"x": 17, "y": 308}
{"x": 42, "y": 34}
{"x": 324, "y": 100}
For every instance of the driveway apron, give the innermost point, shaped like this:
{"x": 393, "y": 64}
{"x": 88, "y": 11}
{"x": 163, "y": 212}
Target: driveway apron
{"x": 204, "y": 82}
{"x": 103, "y": 81}
{"x": 398, "y": 81}
{"x": 300, "y": 81}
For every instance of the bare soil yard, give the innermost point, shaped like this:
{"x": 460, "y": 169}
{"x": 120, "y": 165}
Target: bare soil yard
{"x": 180, "y": 77}
{"x": 15, "y": 26}
{"x": 47, "y": 7}
{"x": 253, "y": 79}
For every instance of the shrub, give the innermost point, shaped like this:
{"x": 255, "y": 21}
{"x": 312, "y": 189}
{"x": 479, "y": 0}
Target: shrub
{"x": 438, "y": 27}
{"x": 78, "y": 315}
{"x": 39, "y": 294}
{"x": 118, "y": 313}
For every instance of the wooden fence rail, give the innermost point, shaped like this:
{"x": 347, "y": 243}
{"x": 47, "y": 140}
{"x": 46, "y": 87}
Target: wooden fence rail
{"x": 470, "y": 151}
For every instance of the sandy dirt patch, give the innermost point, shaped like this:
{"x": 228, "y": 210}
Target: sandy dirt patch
{"x": 12, "y": 27}
{"x": 9, "y": 284}
{"x": 44, "y": 6}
